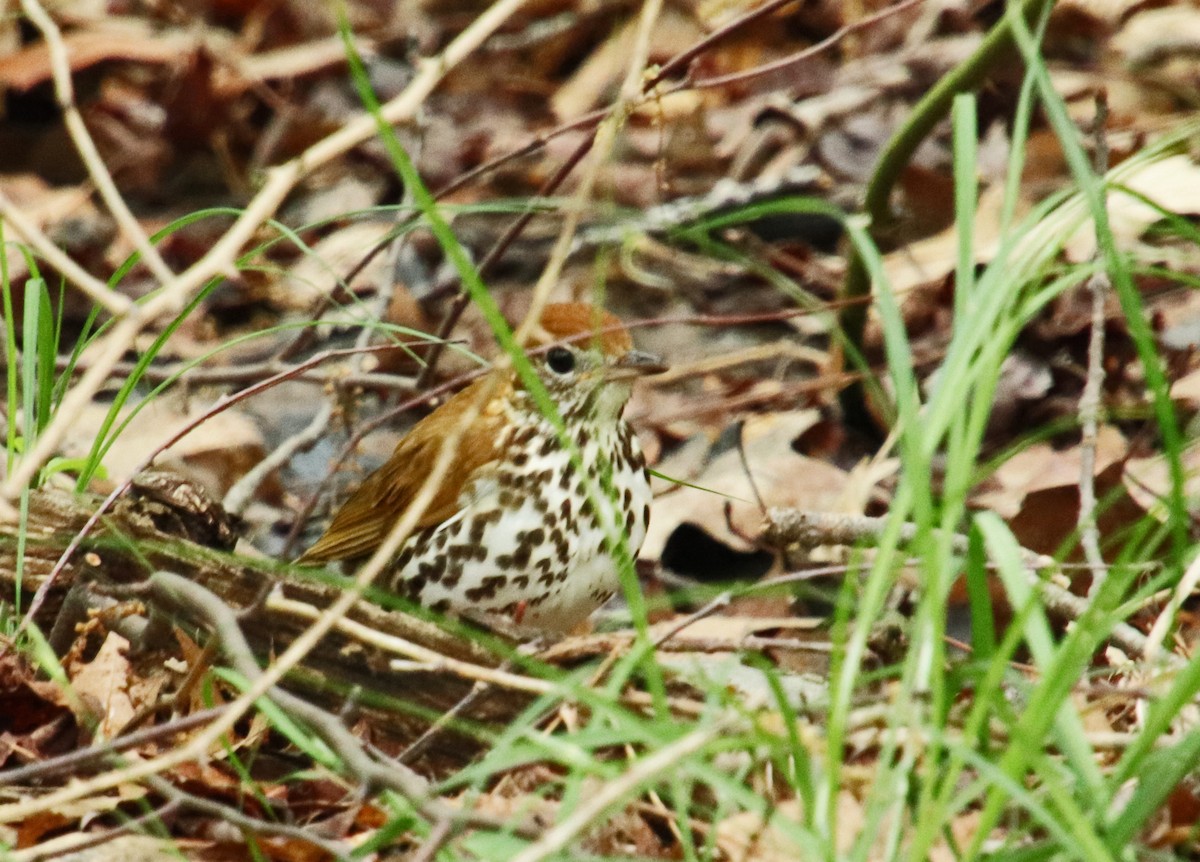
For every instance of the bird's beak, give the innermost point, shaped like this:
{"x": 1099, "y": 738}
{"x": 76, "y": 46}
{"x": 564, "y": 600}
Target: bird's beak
{"x": 636, "y": 363}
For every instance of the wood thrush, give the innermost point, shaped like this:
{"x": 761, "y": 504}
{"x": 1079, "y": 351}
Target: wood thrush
{"x": 516, "y": 528}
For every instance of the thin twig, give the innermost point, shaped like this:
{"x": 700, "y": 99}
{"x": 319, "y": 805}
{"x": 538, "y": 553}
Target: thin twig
{"x": 427, "y": 658}
{"x": 422, "y": 742}
{"x": 77, "y": 761}
{"x": 238, "y": 497}
{"x": 97, "y": 291}
{"x": 683, "y": 59}
{"x": 719, "y": 603}
{"x": 1098, "y": 287}
{"x": 1167, "y": 617}
{"x": 442, "y": 831}
{"x": 251, "y": 826}
{"x": 605, "y": 138}
{"x": 815, "y": 529}
{"x": 808, "y": 53}
{"x": 495, "y": 253}
{"x": 253, "y": 372}
{"x": 65, "y": 846}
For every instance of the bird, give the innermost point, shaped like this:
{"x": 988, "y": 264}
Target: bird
{"x": 517, "y": 529}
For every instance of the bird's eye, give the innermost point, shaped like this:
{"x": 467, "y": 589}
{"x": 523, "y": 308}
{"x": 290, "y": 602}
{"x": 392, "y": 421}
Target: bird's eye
{"x": 560, "y": 360}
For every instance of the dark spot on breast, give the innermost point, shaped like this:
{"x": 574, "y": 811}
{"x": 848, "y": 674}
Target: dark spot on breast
{"x": 559, "y": 538}
{"x": 548, "y": 446}
{"x": 584, "y": 437}
{"x": 521, "y": 581}
{"x": 432, "y": 570}
{"x": 487, "y": 588}
{"x": 520, "y": 557}
{"x": 520, "y": 459}
{"x": 630, "y": 521}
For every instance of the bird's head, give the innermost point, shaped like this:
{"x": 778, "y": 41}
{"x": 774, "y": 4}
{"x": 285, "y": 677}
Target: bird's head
{"x": 587, "y": 360}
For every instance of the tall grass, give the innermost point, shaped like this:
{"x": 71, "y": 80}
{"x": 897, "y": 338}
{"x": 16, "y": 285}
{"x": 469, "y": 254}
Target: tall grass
{"x": 971, "y": 756}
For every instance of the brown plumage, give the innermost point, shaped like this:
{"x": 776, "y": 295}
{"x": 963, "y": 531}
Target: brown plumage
{"x": 508, "y": 523}
{"x": 367, "y": 516}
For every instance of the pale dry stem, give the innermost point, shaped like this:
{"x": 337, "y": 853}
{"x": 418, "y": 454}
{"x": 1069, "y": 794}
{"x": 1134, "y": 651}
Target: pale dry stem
{"x": 60, "y": 68}
{"x": 606, "y": 135}
{"x": 114, "y": 303}
{"x": 1090, "y": 399}
{"x": 426, "y": 658}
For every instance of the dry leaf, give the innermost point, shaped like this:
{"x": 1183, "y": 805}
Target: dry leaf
{"x": 1043, "y": 467}
{"x": 103, "y": 686}
{"x": 782, "y": 476}
{"x": 933, "y": 259}
{"x": 215, "y": 454}
{"x": 1148, "y": 480}
{"x": 1173, "y": 183}
{"x": 1151, "y": 35}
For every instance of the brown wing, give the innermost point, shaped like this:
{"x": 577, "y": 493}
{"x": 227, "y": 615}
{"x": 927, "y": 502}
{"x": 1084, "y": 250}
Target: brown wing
{"x": 365, "y": 519}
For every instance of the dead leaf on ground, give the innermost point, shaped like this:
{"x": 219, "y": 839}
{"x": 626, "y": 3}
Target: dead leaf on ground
{"x": 933, "y": 259}
{"x": 36, "y": 720}
{"x": 1043, "y": 467}
{"x": 782, "y": 476}
{"x": 102, "y": 685}
{"x": 1148, "y": 480}
{"x": 1173, "y": 183}
{"x": 215, "y": 454}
